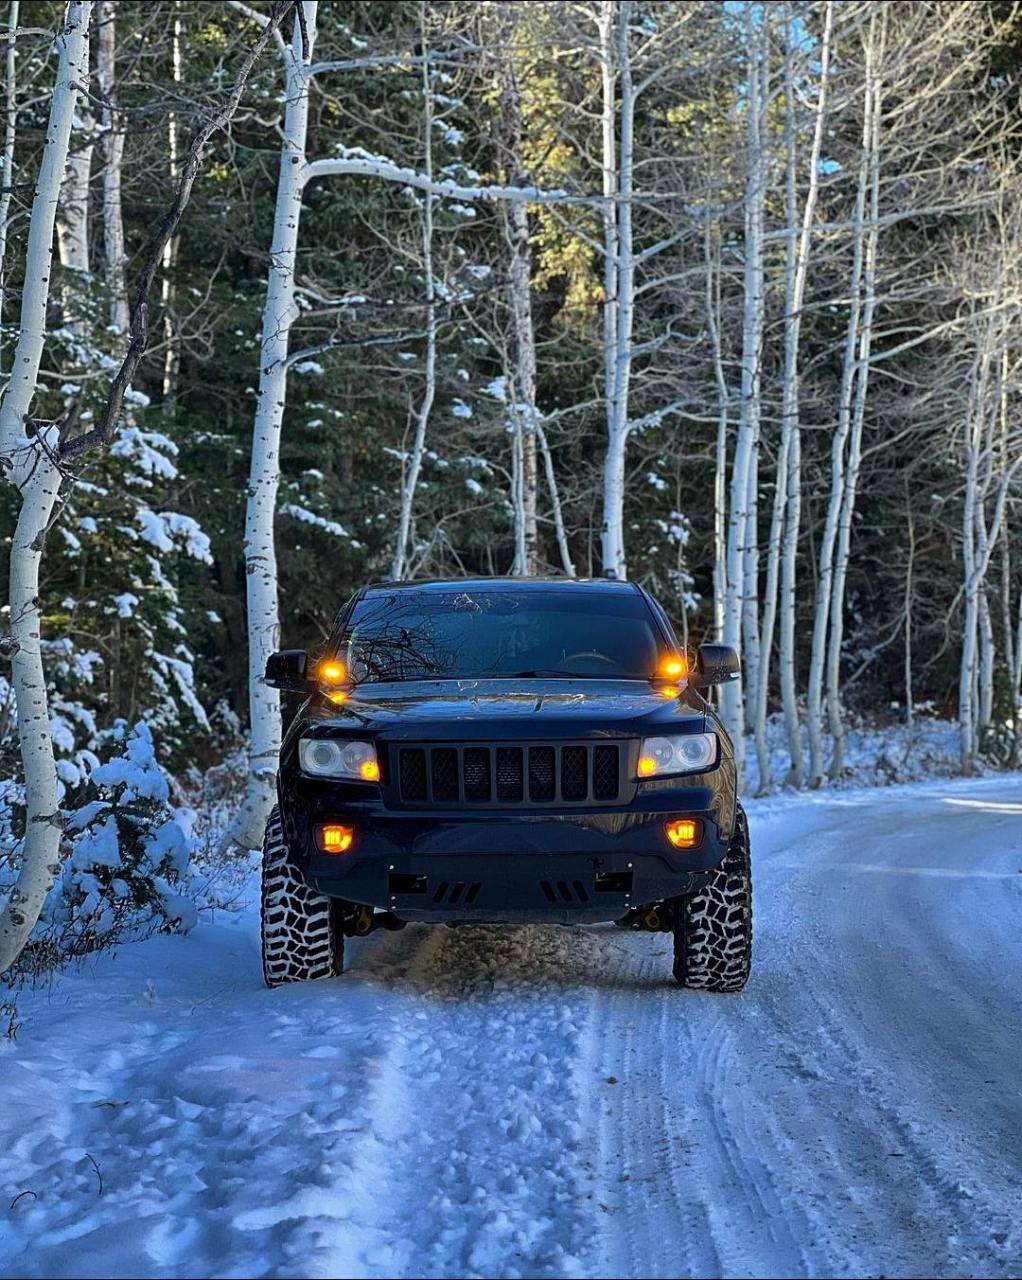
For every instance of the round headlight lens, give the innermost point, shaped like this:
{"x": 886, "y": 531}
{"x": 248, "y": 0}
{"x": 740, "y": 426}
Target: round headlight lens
{"x": 680, "y": 753}
{"x": 321, "y": 756}
{"x": 696, "y": 751}
{"x": 330, "y": 758}
{"x": 661, "y": 750}
{"x": 360, "y": 761}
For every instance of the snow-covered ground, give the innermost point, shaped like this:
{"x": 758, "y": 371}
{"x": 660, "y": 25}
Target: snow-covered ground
{"x": 545, "y": 1102}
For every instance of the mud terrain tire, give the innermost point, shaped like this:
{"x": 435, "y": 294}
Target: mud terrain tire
{"x": 713, "y": 926}
{"x": 300, "y": 933}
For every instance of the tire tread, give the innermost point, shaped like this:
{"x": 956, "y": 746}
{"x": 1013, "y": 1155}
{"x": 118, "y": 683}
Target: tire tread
{"x": 713, "y": 926}
{"x": 299, "y": 934}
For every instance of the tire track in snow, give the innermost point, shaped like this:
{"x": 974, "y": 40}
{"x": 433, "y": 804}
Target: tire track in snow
{"x": 832, "y": 1130}
{"x": 687, "y": 1190}
{"x": 481, "y": 1169}
{"x": 641, "y": 1147}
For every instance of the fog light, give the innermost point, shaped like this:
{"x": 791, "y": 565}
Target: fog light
{"x": 684, "y": 833}
{"x": 334, "y": 838}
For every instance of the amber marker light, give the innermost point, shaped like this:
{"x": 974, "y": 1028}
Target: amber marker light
{"x": 369, "y": 771}
{"x": 338, "y": 697}
{"x": 331, "y": 671}
{"x": 672, "y": 667}
{"x": 646, "y": 767}
{"x": 684, "y": 833}
{"x": 334, "y": 838}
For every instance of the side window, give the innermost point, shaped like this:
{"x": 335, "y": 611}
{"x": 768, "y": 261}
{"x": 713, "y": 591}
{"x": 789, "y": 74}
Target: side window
{"x": 663, "y": 620}
{"x": 340, "y": 624}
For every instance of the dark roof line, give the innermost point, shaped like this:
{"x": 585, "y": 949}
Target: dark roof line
{"x": 503, "y": 583}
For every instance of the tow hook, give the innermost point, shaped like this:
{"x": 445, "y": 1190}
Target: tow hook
{"x": 361, "y": 921}
{"x": 653, "y": 917}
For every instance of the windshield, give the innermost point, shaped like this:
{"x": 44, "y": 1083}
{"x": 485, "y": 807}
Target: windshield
{"x": 409, "y": 635}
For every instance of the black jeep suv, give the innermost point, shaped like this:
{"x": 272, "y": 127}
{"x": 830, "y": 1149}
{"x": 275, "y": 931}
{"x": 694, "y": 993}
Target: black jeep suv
{"x": 505, "y": 750}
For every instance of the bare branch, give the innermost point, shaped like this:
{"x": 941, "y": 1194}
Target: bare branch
{"x": 106, "y": 425}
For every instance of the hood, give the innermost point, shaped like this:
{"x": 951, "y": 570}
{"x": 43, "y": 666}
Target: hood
{"x": 511, "y": 709}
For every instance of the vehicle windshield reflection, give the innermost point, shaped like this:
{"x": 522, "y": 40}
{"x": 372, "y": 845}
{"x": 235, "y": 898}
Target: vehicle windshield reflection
{"x": 407, "y": 635}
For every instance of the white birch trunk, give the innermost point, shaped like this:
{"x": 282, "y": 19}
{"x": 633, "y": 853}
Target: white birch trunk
{"x": 984, "y": 704}
{"x": 36, "y": 478}
{"x": 619, "y": 270}
{"x": 824, "y": 587}
{"x": 74, "y": 206}
{"x": 851, "y": 481}
{"x": 720, "y": 460}
{"x": 987, "y": 650}
{"x": 524, "y": 415}
{"x": 608, "y": 127}
{"x": 524, "y": 409}
{"x": 750, "y": 577}
{"x": 1012, "y": 641}
{"x": 907, "y": 606}
{"x": 73, "y": 66}
{"x": 567, "y": 564}
{"x": 978, "y": 541}
{"x": 264, "y": 475}
{"x": 514, "y": 429}
{"x": 798, "y": 248}
{"x": 970, "y": 600}
{"x": 410, "y": 479}
{"x": 10, "y": 128}
{"x": 172, "y": 354}
{"x": 113, "y": 151}
{"x": 741, "y": 545}
{"x": 43, "y": 823}
{"x": 73, "y": 223}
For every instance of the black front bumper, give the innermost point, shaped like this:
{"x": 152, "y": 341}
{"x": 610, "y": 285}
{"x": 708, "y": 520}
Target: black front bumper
{"x": 573, "y": 866}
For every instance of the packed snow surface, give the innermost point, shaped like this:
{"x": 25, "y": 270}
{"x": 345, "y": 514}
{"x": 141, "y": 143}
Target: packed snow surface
{"x": 544, "y": 1101}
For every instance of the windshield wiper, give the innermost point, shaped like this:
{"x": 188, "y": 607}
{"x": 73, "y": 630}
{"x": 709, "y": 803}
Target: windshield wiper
{"x": 541, "y": 673}
{"x": 392, "y": 679}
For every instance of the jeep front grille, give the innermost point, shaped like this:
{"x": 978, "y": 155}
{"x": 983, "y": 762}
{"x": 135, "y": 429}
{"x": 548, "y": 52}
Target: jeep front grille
{"x": 509, "y": 775}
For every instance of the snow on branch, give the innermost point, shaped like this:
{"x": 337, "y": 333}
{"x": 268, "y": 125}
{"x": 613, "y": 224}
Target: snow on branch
{"x": 310, "y": 517}
{"x": 356, "y": 161}
{"x": 655, "y": 418}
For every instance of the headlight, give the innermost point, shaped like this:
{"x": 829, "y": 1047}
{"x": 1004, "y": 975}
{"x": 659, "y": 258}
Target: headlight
{"x": 681, "y": 753}
{"x": 335, "y": 758}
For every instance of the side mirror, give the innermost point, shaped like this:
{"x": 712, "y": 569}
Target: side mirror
{"x": 715, "y": 664}
{"x": 286, "y": 670}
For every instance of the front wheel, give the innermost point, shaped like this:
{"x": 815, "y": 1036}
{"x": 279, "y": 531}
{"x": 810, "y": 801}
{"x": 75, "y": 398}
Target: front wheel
{"x": 300, "y": 936}
{"x": 713, "y": 926}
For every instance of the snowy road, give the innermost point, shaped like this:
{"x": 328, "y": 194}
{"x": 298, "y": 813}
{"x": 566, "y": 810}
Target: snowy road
{"x": 545, "y": 1102}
